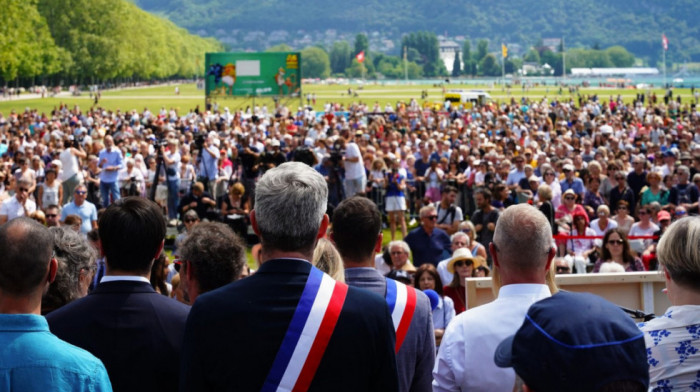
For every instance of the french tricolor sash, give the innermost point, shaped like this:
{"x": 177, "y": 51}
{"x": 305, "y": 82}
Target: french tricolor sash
{"x": 308, "y": 334}
{"x": 402, "y": 304}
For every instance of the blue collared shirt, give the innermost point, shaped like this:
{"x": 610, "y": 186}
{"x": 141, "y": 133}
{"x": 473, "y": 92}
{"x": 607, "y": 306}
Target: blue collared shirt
{"x": 34, "y": 359}
{"x": 114, "y": 158}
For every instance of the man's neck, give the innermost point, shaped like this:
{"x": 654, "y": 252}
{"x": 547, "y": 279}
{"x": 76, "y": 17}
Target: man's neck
{"x": 117, "y": 272}
{"x": 444, "y": 204}
{"x": 270, "y": 254}
{"x": 427, "y": 230}
{"x": 368, "y": 263}
{"x": 30, "y": 304}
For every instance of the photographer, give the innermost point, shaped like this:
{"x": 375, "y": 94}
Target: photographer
{"x": 250, "y": 160}
{"x": 208, "y": 168}
{"x": 71, "y": 175}
{"x": 131, "y": 180}
{"x": 171, "y": 159}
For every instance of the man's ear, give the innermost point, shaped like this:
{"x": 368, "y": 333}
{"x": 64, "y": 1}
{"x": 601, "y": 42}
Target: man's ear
{"x": 53, "y": 269}
{"x": 254, "y": 223}
{"x": 378, "y": 244}
{"x": 324, "y": 227}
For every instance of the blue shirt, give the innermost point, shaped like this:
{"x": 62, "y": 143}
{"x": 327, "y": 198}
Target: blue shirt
{"x": 576, "y": 185}
{"x": 428, "y": 249}
{"x": 113, "y": 158}
{"x": 34, "y": 359}
{"x": 86, "y": 211}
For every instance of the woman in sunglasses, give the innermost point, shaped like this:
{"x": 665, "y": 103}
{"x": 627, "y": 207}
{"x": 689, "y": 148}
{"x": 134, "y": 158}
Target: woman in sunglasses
{"x": 461, "y": 266}
{"x": 616, "y": 248}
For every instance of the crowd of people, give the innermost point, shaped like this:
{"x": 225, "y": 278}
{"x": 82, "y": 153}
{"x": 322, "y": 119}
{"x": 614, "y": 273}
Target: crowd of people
{"x": 517, "y": 191}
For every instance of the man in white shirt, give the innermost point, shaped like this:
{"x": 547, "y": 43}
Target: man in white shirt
{"x": 522, "y": 252}
{"x": 17, "y": 206}
{"x": 355, "y": 178}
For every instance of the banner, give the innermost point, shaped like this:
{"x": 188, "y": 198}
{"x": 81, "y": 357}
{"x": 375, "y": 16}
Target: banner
{"x": 504, "y": 50}
{"x": 252, "y": 74}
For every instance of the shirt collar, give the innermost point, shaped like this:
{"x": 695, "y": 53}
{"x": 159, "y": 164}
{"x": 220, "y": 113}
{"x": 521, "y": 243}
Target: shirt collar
{"x": 23, "y": 322}
{"x": 128, "y": 278}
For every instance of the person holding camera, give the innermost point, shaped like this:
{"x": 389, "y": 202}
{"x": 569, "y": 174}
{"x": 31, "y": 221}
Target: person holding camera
{"x": 171, "y": 159}
{"x": 71, "y": 175}
{"x": 208, "y": 169}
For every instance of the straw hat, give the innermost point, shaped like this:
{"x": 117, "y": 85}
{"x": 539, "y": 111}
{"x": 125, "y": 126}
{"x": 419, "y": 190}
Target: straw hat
{"x": 465, "y": 255}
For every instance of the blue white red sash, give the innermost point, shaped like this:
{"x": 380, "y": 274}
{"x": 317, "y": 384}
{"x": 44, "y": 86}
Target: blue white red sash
{"x": 308, "y": 334}
{"x": 402, "y": 304}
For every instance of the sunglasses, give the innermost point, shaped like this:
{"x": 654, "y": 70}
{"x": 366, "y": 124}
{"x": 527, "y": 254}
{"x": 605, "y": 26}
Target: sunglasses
{"x": 431, "y": 217}
{"x": 190, "y": 220}
{"x": 563, "y": 269}
{"x": 51, "y": 215}
{"x": 461, "y": 263}
{"x": 570, "y": 198}
{"x": 616, "y": 242}
{"x": 680, "y": 212}
{"x": 80, "y": 192}
{"x": 397, "y": 253}
{"x": 643, "y": 212}
{"x": 23, "y": 189}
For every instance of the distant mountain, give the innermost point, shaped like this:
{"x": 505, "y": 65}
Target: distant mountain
{"x": 637, "y": 25}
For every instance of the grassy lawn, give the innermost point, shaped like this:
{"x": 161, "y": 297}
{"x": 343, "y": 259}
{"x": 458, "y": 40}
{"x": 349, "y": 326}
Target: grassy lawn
{"x": 164, "y": 96}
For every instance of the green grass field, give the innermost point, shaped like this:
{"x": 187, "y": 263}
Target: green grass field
{"x": 164, "y": 96}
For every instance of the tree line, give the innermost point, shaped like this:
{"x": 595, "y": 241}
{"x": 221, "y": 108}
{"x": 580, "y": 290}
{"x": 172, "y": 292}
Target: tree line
{"x": 420, "y": 57}
{"x": 88, "y": 41}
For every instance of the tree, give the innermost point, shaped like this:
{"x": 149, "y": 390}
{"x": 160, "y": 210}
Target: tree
{"x": 466, "y": 50}
{"x": 620, "y": 57}
{"x": 457, "y": 65}
{"x": 315, "y": 63}
{"x": 340, "y": 56}
{"x": 554, "y": 60}
{"x": 488, "y": 66}
{"x": 280, "y": 48}
{"x": 532, "y": 56}
{"x": 426, "y": 44}
{"x": 361, "y": 44}
{"x": 482, "y": 48}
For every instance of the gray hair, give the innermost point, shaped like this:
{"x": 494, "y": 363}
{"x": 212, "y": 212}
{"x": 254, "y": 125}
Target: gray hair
{"x": 401, "y": 244}
{"x": 74, "y": 255}
{"x": 679, "y": 252}
{"x": 290, "y": 201}
{"x": 523, "y": 238}
{"x": 426, "y": 210}
{"x": 458, "y": 234}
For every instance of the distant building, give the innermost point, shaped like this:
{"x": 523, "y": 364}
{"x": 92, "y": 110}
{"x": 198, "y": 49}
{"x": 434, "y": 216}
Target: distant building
{"x": 633, "y": 71}
{"x": 448, "y": 51}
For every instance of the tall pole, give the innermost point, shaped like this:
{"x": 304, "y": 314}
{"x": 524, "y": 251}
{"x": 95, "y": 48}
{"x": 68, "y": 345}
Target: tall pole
{"x": 563, "y": 59}
{"x": 664, "y": 57}
{"x": 405, "y": 63}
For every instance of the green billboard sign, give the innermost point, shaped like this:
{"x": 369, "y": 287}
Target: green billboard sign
{"x": 253, "y": 74}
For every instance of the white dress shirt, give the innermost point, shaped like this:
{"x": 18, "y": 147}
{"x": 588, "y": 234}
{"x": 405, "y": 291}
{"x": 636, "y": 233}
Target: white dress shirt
{"x": 465, "y": 360}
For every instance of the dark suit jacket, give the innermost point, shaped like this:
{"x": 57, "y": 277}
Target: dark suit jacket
{"x": 233, "y": 335}
{"x": 136, "y": 332}
{"x": 416, "y": 357}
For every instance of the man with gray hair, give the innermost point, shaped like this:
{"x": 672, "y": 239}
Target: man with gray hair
{"x": 20, "y": 205}
{"x": 289, "y": 326}
{"x": 522, "y": 252}
{"x": 211, "y": 256}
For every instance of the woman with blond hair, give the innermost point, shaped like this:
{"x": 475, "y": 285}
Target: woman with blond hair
{"x": 672, "y": 339}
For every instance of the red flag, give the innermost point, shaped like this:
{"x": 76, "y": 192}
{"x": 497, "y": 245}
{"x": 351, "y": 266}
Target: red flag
{"x": 664, "y": 41}
{"x": 360, "y": 57}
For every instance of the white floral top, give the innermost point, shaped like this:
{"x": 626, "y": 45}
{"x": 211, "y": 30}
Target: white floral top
{"x": 673, "y": 349}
